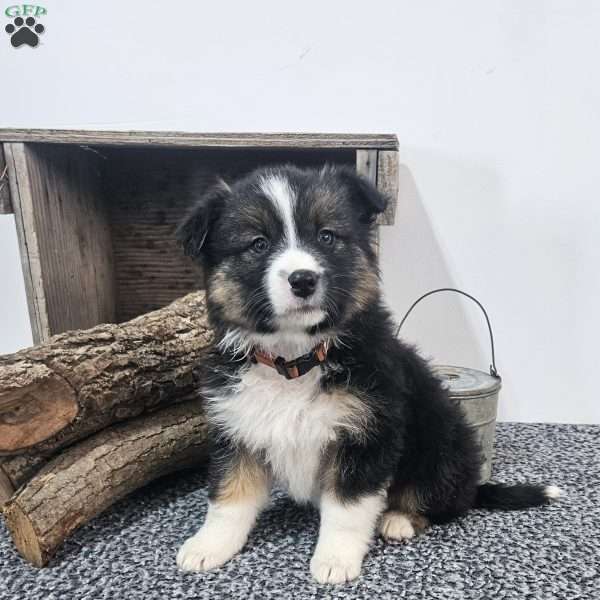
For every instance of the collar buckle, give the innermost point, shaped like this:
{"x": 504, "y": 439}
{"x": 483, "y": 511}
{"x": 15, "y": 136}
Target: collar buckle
{"x": 281, "y": 367}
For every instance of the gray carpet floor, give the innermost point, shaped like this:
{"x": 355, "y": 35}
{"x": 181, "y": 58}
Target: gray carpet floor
{"x": 545, "y": 553}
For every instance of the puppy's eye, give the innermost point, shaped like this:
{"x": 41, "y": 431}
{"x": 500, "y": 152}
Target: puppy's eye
{"x": 260, "y": 245}
{"x": 326, "y": 237}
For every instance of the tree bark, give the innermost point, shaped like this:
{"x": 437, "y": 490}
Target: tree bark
{"x": 15, "y": 471}
{"x": 88, "y": 477}
{"x": 7, "y": 487}
{"x": 82, "y": 381}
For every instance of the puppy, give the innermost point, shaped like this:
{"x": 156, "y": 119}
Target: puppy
{"x": 308, "y": 387}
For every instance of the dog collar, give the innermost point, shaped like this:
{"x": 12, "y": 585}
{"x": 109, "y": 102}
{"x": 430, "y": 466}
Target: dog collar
{"x": 291, "y": 369}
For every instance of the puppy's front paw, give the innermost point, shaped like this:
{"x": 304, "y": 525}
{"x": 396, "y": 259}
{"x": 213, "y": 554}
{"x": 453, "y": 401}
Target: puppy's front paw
{"x": 335, "y": 569}
{"x": 200, "y": 553}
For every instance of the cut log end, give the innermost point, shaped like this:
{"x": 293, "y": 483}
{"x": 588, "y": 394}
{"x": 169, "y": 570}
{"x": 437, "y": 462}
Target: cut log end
{"x": 24, "y": 536}
{"x": 81, "y": 382}
{"x": 88, "y": 477}
{"x": 31, "y": 414}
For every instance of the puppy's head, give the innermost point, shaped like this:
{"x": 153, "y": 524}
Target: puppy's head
{"x": 286, "y": 249}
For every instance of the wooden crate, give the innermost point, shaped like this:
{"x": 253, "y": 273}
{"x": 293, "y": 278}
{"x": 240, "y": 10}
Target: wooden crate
{"x": 96, "y": 210}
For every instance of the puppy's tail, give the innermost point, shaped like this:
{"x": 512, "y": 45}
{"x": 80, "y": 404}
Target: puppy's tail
{"x": 514, "y": 497}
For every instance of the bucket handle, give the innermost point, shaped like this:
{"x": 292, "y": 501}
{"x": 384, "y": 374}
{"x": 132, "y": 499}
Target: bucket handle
{"x": 493, "y": 370}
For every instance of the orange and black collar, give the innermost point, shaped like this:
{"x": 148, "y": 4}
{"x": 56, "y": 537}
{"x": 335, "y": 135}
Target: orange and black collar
{"x": 297, "y": 367}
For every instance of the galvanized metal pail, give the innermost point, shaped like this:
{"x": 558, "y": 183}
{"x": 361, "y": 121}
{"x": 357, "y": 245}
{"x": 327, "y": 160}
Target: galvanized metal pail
{"x": 475, "y": 391}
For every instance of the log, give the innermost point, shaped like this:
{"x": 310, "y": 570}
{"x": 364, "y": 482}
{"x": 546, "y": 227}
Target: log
{"x": 7, "y": 488}
{"x": 80, "y": 382}
{"x": 88, "y": 477}
{"x": 15, "y": 471}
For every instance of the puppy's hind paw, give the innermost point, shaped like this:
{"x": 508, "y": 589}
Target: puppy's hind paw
{"x": 395, "y": 525}
{"x": 199, "y": 554}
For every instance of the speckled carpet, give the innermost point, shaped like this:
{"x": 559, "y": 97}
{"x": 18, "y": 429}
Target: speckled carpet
{"x": 545, "y": 553}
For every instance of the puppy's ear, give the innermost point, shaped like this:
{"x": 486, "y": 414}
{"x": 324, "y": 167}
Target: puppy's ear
{"x": 193, "y": 231}
{"x": 370, "y": 200}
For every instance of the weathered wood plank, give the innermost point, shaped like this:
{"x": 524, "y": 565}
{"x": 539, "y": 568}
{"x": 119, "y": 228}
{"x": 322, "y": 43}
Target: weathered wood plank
{"x": 366, "y": 165}
{"x": 387, "y": 183}
{"x": 72, "y": 221}
{"x": 29, "y": 248}
{"x": 223, "y": 140}
{"x": 5, "y": 203}
{"x": 64, "y": 237}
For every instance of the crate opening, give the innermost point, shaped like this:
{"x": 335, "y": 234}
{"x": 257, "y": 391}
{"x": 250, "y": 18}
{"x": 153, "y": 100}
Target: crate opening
{"x": 109, "y": 213}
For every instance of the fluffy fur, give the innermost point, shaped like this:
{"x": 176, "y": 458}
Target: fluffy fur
{"x": 371, "y": 437}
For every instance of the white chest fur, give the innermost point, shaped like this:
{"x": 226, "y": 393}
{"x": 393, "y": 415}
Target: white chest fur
{"x": 290, "y": 421}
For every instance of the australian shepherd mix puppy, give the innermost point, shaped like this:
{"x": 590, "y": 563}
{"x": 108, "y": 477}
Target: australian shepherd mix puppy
{"x": 307, "y": 385}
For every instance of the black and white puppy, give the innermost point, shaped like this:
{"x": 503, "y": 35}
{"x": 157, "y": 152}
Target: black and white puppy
{"x": 309, "y": 388}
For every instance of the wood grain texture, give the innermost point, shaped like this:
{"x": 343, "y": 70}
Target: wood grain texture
{"x": 29, "y": 246}
{"x": 36, "y": 402}
{"x": 74, "y": 236}
{"x": 17, "y": 470}
{"x": 5, "y": 203}
{"x": 80, "y": 382}
{"x": 366, "y": 165}
{"x": 148, "y": 192}
{"x": 88, "y": 477}
{"x": 64, "y": 237}
{"x": 387, "y": 183}
{"x": 206, "y": 140}
{"x": 380, "y": 167}
{"x": 7, "y": 488}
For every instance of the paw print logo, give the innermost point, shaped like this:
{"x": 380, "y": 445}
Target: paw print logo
{"x": 24, "y": 32}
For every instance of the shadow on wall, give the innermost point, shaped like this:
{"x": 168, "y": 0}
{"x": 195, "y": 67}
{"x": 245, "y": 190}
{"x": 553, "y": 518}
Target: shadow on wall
{"x": 446, "y": 327}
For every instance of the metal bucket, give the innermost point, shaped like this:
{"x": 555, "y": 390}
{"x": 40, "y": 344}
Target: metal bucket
{"x": 475, "y": 391}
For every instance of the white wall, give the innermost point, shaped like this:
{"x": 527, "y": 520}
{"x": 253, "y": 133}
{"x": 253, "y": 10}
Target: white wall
{"x": 496, "y": 105}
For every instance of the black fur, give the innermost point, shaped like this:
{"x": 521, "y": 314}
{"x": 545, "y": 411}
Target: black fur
{"x": 510, "y": 497}
{"x": 417, "y": 439}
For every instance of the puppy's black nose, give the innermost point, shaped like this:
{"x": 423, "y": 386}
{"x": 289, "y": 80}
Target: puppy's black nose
{"x": 303, "y": 282}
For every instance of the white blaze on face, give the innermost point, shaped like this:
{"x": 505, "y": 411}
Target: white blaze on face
{"x": 279, "y": 192}
{"x": 290, "y": 309}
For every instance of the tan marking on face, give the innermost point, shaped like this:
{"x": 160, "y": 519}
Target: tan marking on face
{"x": 367, "y": 286}
{"x": 225, "y": 293}
{"x": 246, "y": 480}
